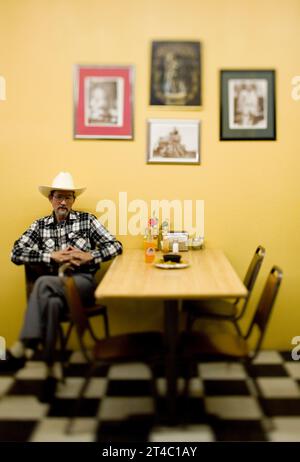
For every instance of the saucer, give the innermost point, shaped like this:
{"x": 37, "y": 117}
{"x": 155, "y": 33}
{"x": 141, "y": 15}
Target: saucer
{"x": 170, "y": 265}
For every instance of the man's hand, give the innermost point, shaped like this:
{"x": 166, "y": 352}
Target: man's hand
{"x": 61, "y": 256}
{"x": 78, "y": 257}
{"x": 72, "y": 255}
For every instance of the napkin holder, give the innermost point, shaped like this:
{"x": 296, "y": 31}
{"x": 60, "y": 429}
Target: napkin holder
{"x": 182, "y": 237}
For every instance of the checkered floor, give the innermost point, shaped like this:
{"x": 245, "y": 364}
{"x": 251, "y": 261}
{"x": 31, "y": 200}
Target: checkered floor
{"x": 118, "y": 405}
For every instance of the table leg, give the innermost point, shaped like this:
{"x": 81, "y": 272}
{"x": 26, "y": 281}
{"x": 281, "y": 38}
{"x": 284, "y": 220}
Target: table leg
{"x": 171, "y": 335}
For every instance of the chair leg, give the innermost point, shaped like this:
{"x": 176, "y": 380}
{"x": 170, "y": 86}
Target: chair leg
{"x": 106, "y": 325}
{"x": 106, "y": 328}
{"x": 68, "y": 334}
{"x": 63, "y": 344}
{"x": 62, "y": 351}
{"x": 237, "y": 327}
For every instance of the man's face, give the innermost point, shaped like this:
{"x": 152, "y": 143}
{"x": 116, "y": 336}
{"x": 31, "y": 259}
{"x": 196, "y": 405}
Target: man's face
{"x": 62, "y": 202}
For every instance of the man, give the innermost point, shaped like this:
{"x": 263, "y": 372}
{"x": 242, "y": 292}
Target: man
{"x": 65, "y": 236}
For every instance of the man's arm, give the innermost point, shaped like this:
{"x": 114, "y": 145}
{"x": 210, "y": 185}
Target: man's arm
{"x": 106, "y": 245}
{"x": 27, "y": 248}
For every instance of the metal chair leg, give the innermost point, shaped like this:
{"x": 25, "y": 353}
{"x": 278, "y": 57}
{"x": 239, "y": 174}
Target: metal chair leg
{"x": 62, "y": 341}
{"x": 106, "y": 327}
{"x": 237, "y": 327}
{"x": 68, "y": 334}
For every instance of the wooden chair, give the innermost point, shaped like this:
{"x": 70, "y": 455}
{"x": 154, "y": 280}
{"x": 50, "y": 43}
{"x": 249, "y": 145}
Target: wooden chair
{"x": 231, "y": 310}
{"x": 142, "y": 346}
{"x": 34, "y": 271}
{"x": 196, "y": 346}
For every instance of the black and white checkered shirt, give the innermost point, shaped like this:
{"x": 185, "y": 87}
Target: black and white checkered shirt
{"x": 81, "y": 230}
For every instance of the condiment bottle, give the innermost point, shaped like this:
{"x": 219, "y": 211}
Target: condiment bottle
{"x": 149, "y": 247}
{"x": 165, "y": 244}
{"x": 153, "y": 225}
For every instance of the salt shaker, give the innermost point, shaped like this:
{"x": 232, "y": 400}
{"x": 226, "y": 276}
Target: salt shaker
{"x": 175, "y": 248}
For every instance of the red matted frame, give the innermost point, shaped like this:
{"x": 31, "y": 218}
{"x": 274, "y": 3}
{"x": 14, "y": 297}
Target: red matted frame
{"x": 103, "y": 100}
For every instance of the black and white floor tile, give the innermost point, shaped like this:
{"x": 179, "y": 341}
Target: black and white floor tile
{"x": 118, "y": 405}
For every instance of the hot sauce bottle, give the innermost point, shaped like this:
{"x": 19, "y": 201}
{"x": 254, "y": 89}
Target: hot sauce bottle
{"x": 149, "y": 246}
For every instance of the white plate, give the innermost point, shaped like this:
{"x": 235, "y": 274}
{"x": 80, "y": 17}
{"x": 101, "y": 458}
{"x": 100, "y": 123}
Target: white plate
{"x": 171, "y": 265}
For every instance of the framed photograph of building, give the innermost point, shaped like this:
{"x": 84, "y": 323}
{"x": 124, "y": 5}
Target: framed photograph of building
{"x": 103, "y": 102}
{"x": 175, "y": 73}
{"x": 248, "y": 105}
{"x": 173, "y": 141}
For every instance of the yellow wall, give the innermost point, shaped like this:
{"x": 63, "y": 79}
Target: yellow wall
{"x": 251, "y": 189}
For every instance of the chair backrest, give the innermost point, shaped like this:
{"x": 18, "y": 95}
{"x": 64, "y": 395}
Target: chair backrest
{"x": 32, "y": 272}
{"x": 251, "y": 276}
{"x": 254, "y": 268}
{"x": 265, "y": 305}
{"x": 30, "y": 278}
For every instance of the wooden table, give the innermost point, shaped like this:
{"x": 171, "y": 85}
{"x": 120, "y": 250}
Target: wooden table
{"x": 210, "y": 275}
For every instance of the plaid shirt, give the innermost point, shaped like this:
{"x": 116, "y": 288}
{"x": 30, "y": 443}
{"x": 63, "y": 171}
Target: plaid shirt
{"x": 81, "y": 230}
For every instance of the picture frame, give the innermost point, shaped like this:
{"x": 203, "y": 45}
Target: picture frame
{"x": 103, "y": 102}
{"x": 173, "y": 141}
{"x": 175, "y": 73}
{"x": 247, "y": 109}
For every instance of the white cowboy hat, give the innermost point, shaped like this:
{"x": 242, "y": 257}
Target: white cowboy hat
{"x": 62, "y": 182}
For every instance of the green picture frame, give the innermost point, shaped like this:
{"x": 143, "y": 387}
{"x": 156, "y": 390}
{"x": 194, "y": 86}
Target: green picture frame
{"x": 247, "y": 109}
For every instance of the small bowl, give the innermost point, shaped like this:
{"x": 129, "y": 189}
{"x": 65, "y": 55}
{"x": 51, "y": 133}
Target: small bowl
{"x": 174, "y": 257}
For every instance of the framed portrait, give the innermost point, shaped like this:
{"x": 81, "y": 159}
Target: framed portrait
{"x": 103, "y": 102}
{"x": 248, "y": 105}
{"x": 175, "y": 74}
{"x": 173, "y": 141}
